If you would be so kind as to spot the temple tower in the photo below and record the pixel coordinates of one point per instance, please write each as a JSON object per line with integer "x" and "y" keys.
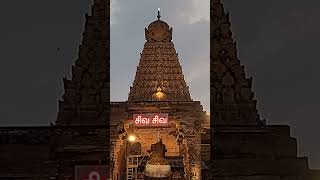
{"x": 243, "y": 146}
{"x": 159, "y": 89}
{"x": 86, "y": 95}
{"x": 84, "y": 109}
{"x": 159, "y": 74}
{"x": 232, "y": 100}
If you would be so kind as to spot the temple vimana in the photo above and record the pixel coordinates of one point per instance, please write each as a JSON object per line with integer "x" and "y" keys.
{"x": 160, "y": 132}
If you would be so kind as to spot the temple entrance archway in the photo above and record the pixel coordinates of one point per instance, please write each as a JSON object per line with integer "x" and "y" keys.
{"x": 172, "y": 137}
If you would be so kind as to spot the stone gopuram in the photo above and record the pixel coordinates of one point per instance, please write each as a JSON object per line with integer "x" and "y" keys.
{"x": 77, "y": 145}
{"x": 159, "y": 91}
{"x": 159, "y": 106}
{"x": 243, "y": 146}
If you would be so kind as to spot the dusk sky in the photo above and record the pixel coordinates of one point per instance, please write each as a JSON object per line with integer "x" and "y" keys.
{"x": 278, "y": 42}
{"x": 190, "y": 21}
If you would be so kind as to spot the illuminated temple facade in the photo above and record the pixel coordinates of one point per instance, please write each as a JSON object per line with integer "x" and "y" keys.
{"x": 160, "y": 132}
{"x": 159, "y": 106}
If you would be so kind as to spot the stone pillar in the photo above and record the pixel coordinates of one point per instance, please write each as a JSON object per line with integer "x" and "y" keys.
{"x": 198, "y": 155}
{"x": 186, "y": 158}
{"x": 195, "y": 153}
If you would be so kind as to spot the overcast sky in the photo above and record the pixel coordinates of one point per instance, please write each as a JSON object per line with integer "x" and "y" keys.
{"x": 278, "y": 43}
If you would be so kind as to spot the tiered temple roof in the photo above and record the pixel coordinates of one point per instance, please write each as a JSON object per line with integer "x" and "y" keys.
{"x": 87, "y": 93}
{"x": 159, "y": 74}
{"x": 232, "y": 100}
{"x": 243, "y": 146}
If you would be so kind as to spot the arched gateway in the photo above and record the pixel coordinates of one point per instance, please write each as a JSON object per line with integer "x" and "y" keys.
{"x": 159, "y": 106}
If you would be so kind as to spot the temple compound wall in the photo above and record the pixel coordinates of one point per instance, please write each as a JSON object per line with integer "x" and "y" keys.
{"x": 51, "y": 152}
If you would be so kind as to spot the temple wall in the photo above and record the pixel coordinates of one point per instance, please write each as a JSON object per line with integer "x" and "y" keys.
{"x": 42, "y": 152}
{"x": 25, "y": 152}
{"x": 256, "y": 152}
{"x": 148, "y": 136}
{"x": 187, "y": 115}
{"x": 254, "y": 141}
